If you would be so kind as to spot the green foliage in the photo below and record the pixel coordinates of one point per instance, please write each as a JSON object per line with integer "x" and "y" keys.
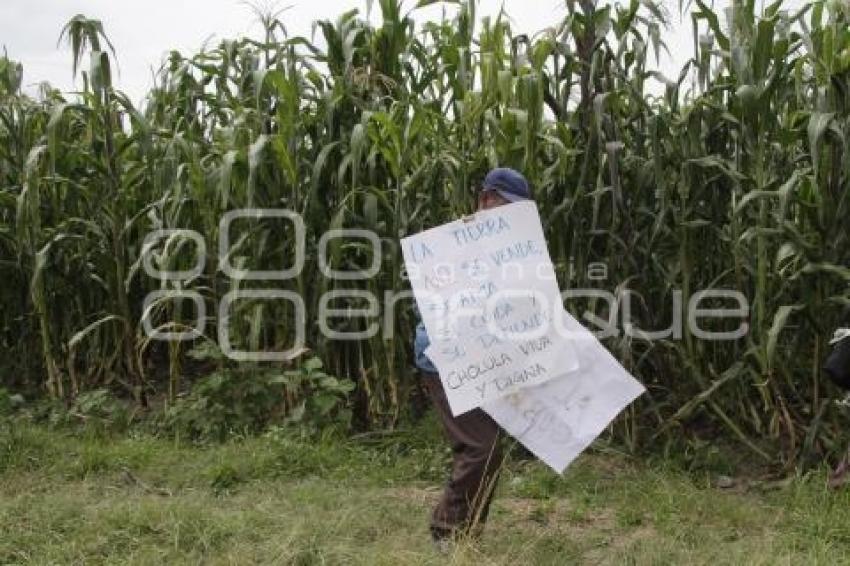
{"x": 733, "y": 174}
{"x": 279, "y": 498}
{"x": 224, "y": 478}
{"x": 11, "y": 75}
{"x": 21, "y": 447}
{"x": 248, "y": 400}
{"x": 9, "y": 402}
{"x": 323, "y": 397}
{"x": 99, "y": 404}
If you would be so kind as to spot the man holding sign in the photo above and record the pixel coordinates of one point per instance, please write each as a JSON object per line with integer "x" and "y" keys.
{"x": 497, "y": 349}
{"x": 474, "y": 435}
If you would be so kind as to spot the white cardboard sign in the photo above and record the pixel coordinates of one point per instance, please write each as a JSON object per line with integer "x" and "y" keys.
{"x": 486, "y": 290}
{"x": 502, "y": 340}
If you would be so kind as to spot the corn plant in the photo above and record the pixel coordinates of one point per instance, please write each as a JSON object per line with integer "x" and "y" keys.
{"x": 732, "y": 174}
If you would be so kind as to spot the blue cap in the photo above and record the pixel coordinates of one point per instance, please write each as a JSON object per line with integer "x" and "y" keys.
{"x": 509, "y": 183}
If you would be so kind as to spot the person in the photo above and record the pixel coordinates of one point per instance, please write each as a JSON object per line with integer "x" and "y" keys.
{"x": 837, "y": 369}
{"x": 837, "y": 364}
{"x": 474, "y": 435}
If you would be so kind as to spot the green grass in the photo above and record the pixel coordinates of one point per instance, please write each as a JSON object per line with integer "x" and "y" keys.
{"x": 72, "y": 497}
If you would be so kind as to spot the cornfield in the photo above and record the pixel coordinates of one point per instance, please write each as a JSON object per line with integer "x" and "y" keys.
{"x": 732, "y": 175}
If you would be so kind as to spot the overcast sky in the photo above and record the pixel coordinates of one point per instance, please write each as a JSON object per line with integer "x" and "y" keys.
{"x": 143, "y": 31}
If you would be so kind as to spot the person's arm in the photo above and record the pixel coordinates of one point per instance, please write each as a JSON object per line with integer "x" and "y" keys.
{"x": 420, "y": 344}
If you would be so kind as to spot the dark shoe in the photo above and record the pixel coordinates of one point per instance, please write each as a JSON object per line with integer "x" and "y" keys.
{"x": 839, "y": 476}
{"x": 443, "y": 540}
{"x": 444, "y": 546}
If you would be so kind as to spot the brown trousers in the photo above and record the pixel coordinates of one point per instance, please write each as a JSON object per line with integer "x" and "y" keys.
{"x": 476, "y": 459}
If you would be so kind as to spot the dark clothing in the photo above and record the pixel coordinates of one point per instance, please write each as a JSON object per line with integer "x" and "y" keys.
{"x": 837, "y": 365}
{"x": 420, "y": 344}
{"x": 476, "y": 459}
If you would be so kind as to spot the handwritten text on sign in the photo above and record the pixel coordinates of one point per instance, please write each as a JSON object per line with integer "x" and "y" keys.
{"x": 486, "y": 290}
{"x": 560, "y": 418}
